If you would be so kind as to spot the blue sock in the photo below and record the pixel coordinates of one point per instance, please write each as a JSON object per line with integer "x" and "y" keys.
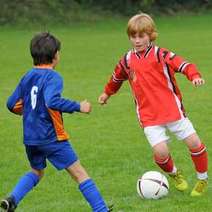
{"x": 25, "y": 184}
{"x": 93, "y": 196}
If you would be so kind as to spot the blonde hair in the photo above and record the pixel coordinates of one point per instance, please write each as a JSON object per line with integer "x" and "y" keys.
{"x": 142, "y": 23}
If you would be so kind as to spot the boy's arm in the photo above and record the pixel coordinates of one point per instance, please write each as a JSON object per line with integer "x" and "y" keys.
{"x": 178, "y": 64}
{"x": 119, "y": 75}
{"x": 53, "y": 99}
{"x": 14, "y": 102}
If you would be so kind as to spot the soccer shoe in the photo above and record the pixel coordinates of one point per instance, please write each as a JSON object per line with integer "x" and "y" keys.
{"x": 110, "y": 208}
{"x": 200, "y": 188}
{"x": 8, "y": 205}
{"x": 179, "y": 181}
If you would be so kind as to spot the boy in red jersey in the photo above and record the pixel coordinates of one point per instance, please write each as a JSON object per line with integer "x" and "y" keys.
{"x": 150, "y": 71}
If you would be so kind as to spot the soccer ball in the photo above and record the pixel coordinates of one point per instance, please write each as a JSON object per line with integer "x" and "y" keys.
{"x": 152, "y": 185}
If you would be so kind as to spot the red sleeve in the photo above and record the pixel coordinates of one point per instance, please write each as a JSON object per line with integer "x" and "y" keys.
{"x": 178, "y": 64}
{"x": 119, "y": 75}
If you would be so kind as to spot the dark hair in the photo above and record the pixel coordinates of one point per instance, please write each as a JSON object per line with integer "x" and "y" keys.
{"x": 43, "y": 48}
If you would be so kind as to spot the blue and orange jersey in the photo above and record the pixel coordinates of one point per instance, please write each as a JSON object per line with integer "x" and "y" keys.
{"x": 38, "y": 97}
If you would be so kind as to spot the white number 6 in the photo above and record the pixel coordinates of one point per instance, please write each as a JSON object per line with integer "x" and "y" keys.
{"x": 34, "y": 92}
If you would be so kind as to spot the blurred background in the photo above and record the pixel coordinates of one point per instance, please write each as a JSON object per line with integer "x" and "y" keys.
{"x": 66, "y": 11}
{"x": 109, "y": 141}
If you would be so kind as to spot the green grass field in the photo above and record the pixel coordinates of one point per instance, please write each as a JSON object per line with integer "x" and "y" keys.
{"x": 109, "y": 142}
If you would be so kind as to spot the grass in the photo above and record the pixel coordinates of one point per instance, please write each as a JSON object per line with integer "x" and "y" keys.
{"x": 109, "y": 142}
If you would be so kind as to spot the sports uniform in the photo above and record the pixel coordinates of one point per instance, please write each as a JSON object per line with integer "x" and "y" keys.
{"x": 38, "y": 98}
{"x": 157, "y": 97}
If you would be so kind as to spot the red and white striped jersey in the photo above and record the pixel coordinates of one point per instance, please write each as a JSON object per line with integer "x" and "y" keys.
{"x": 151, "y": 76}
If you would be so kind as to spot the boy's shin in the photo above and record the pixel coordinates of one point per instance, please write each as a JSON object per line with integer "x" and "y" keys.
{"x": 200, "y": 159}
{"x": 166, "y": 164}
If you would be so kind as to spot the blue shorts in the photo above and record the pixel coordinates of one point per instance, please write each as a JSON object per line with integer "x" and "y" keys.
{"x": 59, "y": 153}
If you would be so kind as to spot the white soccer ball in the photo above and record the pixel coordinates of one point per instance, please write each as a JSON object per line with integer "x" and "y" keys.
{"x": 152, "y": 185}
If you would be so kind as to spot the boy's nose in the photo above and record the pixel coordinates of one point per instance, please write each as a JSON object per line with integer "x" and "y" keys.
{"x": 137, "y": 40}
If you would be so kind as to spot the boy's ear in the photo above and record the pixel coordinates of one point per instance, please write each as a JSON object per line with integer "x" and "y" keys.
{"x": 56, "y": 56}
{"x": 56, "y": 59}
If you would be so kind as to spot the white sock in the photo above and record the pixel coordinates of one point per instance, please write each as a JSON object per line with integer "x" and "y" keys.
{"x": 202, "y": 176}
{"x": 174, "y": 171}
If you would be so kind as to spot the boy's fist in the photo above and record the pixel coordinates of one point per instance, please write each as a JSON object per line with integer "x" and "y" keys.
{"x": 103, "y": 98}
{"x": 198, "y": 81}
{"x": 85, "y": 107}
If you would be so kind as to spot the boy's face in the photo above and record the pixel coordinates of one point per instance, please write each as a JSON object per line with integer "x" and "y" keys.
{"x": 139, "y": 41}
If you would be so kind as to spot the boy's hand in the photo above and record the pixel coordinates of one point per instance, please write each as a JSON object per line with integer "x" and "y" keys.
{"x": 85, "y": 107}
{"x": 198, "y": 81}
{"x": 103, "y": 98}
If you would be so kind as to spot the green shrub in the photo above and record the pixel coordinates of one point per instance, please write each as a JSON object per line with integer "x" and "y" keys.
{"x": 64, "y": 11}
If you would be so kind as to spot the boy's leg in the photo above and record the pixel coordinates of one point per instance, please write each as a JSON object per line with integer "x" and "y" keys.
{"x": 163, "y": 158}
{"x": 64, "y": 157}
{"x": 164, "y": 161}
{"x": 199, "y": 155}
{"x": 184, "y": 130}
{"x": 29, "y": 180}
{"x": 157, "y": 138}
{"x": 25, "y": 184}
{"x": 156, "y": 135}
{"x": 87, "y": 187}
{"x": 200, "y": 160}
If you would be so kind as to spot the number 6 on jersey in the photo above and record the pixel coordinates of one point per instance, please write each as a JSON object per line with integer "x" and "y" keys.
{"x": 34, "y": 92}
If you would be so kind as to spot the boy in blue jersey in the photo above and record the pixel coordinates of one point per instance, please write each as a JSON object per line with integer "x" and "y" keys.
{"x": 38, "y": 99}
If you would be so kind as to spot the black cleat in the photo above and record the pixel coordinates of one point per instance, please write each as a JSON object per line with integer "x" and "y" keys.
{"x": 8, "y": 204}
{"x": 110, "y": 208}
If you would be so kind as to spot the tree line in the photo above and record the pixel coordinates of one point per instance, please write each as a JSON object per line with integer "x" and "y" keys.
{"x": 62, "y": 11}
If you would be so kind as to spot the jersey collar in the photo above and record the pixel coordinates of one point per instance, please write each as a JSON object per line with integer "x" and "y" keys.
{"x": 44, "y": 66}
{"x": 143, "y": 53}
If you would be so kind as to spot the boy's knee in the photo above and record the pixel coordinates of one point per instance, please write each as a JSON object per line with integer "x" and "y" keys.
{"x": 80, "y": 175}
{"x": 161, "y": 150}
{"x": 161, "y": 155}
{"x": 193, "y": 141}
{"x": 77, "y": 172}
{"x": 39, "y": 173}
